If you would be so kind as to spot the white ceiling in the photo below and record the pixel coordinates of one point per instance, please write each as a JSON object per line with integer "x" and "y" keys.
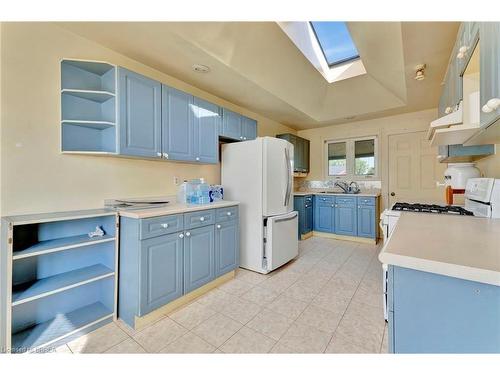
{"x": 256, "y": 65}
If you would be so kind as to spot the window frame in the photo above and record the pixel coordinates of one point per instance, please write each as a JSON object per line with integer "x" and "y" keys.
{"x": 337, "y": 62}
{"x": 351, "y": 159}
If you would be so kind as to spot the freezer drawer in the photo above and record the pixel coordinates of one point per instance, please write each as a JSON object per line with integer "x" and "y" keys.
{"x": 281, "y": 239}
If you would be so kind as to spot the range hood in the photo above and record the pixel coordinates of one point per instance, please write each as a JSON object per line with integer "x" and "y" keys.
{"x": 458, "y": 126}
{"x": 453, "y": 118}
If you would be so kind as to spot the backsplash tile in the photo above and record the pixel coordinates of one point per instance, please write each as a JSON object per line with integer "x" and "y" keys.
{"x": 311, "y": 185}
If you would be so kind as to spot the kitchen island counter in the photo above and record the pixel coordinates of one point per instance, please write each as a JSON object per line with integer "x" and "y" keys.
{"x": 458, "y": 246}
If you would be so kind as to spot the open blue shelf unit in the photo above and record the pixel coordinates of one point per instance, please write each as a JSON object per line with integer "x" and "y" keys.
{"x": 56, "y": 282}
{"x": 88, "y": 106}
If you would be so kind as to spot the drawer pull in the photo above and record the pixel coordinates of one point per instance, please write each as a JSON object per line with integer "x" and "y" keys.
{"x": 202, "y": 218}
{"x": 164, "y": 225}
{"x": 188, "y": 234}
{"x": 218, "y": 226}
{"x": 181, "y": 235}
{"x": 229, "y": 214}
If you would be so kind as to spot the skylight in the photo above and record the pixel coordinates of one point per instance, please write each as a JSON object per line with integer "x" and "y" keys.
{"x": 335, "y": 41}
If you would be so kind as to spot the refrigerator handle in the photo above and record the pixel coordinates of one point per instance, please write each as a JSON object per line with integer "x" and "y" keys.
{"x": 287, "y": 193}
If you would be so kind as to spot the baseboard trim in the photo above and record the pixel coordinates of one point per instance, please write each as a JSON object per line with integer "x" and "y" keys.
{"x": 306, "y": 236}
{"x": 142, "y": 321}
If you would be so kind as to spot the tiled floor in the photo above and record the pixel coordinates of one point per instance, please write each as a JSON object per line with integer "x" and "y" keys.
{"x": 326, "y": 301}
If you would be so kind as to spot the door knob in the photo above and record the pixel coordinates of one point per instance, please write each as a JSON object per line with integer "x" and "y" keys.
{"x": 393, "y": 194}
{"x": 181, "y": 235}
{"x": 218, "y": 226}
{"x": 164, "y": 225}
{"x": 165, "y": 155}
{"x": 202, "y": 218}
{"x": 158, "y": 154}
{"x": 197, "y": 159}
{"x": 188, "y": 234}
{"x": 229, "y": 214}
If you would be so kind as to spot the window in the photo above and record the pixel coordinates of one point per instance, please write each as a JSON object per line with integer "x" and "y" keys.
{"x": 352, "y": 158}
{"x": 335, "y": 41}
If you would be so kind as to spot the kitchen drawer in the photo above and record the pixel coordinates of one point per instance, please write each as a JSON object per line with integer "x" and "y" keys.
{"x": 226, "y": 214}
{"x": 351, "y": 201}
{"x": 157, "y": 226}
{"x": 366, "y": 201}
{"x": 325, "y": 198}
{"x": 199, "y": 219}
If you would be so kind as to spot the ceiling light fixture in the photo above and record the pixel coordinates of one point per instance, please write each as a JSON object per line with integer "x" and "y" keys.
{"x": 420, "y": 70}
{"x": 201, "y": 68}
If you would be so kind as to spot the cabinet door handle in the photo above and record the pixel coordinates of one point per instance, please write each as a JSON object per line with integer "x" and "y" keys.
{"x": 158, "y": 154}
{"x": 202, "y": 218}
{"x": 188, "y": 234}
{"x": 229, "y": 214}
{"x": 333, "y": 205}
{"x": 164, "y": 225}
{"x": 218, "y": 226}
{"x": 165, "y": 155}
{"x": 181, "y": 235}
{"x": 197, "y": 159}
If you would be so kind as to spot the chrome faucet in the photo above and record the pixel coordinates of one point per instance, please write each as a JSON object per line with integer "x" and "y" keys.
{"x": 351, "y": 188}
{"x": 343, "y": 185}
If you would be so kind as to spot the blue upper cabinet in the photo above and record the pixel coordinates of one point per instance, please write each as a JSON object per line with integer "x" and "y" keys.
{"x": 490, "y": 70}
{"x": 140, "y": 115}
{"x": 248, "y": 128}
{"x": 231, "y": 125}
{"x": 206, "y": 131}
{"x": 345, "y": 216}
{"x": 177, "y": 125}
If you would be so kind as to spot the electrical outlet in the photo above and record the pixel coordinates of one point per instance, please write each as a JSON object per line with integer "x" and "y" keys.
{"x": 176, "y": 180}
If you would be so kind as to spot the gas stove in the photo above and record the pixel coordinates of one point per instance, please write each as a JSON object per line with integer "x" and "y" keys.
{"x": 431, "y": 208}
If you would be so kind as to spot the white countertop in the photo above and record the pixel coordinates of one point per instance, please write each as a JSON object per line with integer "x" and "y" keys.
{"x": 361, "y": 194}
{"x": 173, "y": 208}
{"x": 465, "y": 247}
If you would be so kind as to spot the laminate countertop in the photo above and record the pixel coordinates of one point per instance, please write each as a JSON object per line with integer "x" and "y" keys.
{"x": 361, "y": 194}
{"x": 173, "y": 208}
{"x": 465, "y": 247}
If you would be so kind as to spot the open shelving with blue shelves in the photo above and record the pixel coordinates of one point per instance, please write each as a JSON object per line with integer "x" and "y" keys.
{"x": 57, "y": 282}
{"x": 88, "y": 106}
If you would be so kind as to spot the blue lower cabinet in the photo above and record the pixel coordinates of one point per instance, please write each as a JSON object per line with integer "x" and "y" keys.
{"x": 324, "y": 218}
{"x": 346, "y": 216}
{"x": 161, "y": 271}
{"x": 440, "y": 314}
{"x": 199, "y": 257}
{"x": 227, "y": 247}
{"x": 366, "y": 221}
{"x": 304, "y": 206}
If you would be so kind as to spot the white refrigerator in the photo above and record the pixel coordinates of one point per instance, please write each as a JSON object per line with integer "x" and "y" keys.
{"x": 259, "y": 174}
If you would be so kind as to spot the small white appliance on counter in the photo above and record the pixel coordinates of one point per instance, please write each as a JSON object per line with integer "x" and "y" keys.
{"x": 482, "y": 199}
{"x": 259, "y": 174}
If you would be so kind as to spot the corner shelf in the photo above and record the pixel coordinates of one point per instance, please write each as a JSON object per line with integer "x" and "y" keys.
{"x": 93, "y": 95}
{"x": 58, "y": 283}
{"x": 60, "y": 327}
{"x": 88, "y": 106}
{"x": 60, "y": 244}
{"x": 89, "y": 124}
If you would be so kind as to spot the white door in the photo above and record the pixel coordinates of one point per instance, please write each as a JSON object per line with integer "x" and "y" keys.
{"x": 414, "y": 170}
{"x": 277, "y": 182}
{"x": 282, "y": 244}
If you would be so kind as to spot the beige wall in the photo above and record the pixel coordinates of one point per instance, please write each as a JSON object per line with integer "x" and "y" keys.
{"x": 382, "y": 128}
{"x": 490, "y": 166}
{"x": 36, "y": 176}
